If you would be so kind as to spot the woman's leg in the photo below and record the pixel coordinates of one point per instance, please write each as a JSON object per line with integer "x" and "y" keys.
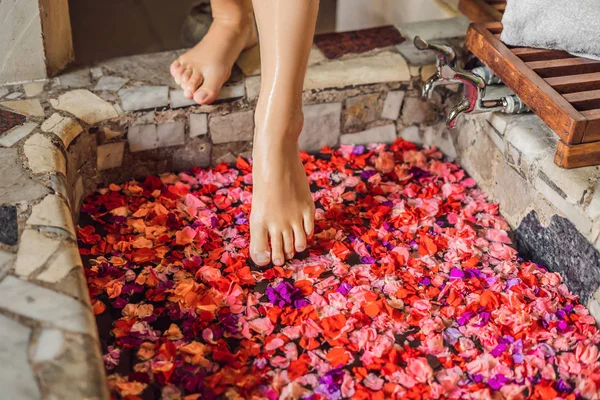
{"x": 205, "y": 68}
{"x": 282, "y": 206}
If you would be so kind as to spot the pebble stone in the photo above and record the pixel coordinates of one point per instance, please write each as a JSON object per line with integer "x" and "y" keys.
{"x": 43, "y": 156}
{"x": 9, "y": 234}
{"x": 85, "y": 105}
{"x": 29, "y": 107}
{"x": 53, "y": 212}
{"x": 110, "y": 155}
{"x": 144, "y": 97}
{"x": 35, "y": 249}
{"x": 379, "y": 134}
{"x": 45, "y": 305}
{"x": 65, "y": 128}
{"x": 113, "y": 83}
{"x": 62, "y": 263}
{"x": 49, "y": 345}
{"x": 198, "y": 124}
{"x": 17, "y": 133}
{"x": 16, "y": 377}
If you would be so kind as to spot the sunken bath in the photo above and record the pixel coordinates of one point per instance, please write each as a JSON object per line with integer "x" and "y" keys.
{"x": 122, "y": 119}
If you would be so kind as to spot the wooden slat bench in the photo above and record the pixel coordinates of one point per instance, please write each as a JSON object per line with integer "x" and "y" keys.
{"x": 562, "y": 89}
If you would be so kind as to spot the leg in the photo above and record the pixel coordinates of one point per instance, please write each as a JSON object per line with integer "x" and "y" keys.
{"x": 282, "y": 206}
{"x": 205, "y": 68}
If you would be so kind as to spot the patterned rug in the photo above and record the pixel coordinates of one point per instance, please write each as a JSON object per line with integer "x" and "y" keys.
{"x": 410, "y": 289}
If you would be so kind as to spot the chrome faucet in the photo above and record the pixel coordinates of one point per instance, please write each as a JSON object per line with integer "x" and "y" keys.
{"x": 474, "y": 84}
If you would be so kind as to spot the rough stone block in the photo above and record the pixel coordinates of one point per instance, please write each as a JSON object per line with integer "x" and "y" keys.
{"x": 113, "y": 83}
{"x": 232, "y": 92}
{"x": 593, "y": 209}
{"x": 234, "y": 127}
{"x": 321, "y": 126}
{"x": 144, "y": 97}
{"x": 196, "y": 154}
{"x": 562, "y": 248}
{"x": 412, "y": 134}
{"x": 45, "y": 305}
{"x": 392, "y": 105}
{"x": 361, "y": 110}
{"x": 198, "y": 124}
{"x": 43, "y": 156}
{"x": 571, "y": 184}
{"x": 379, "y": 134}
{"x": 576, "y": 216}
{"x": 417, "y": 111}
{"x": 65, "y": 128}
{"x": 15, "y": 184}
{"x": 171, "y": 134}
{"x": 29, "y": 107}
{"x": 49, "y": 345}
{"x": 440, "y": 137}
{"x": 512, "y": 192}
{"x": 178, "y": 100}
{"x": 75, "y": 79}
{"x": 142, "y": 137}
{"x": 9, "y": 234}
{"x": 52, "y": 212}
{"x": 110, "y": 155}
{"x": 379, "y": 68}
{"x": 16, "y": 377}
{"x": 33, "y": 88}
{"x": 85, "y": 105}
{"x": 11, "y": 137}
{"x": 64, "y": 262}
{"x": 34, "y": 250}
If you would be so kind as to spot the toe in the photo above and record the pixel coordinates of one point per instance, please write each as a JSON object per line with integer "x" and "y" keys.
{"x": 176, "y": 71}
{"x": 193, "y": 83}
{"x": 276, "y": 247}
{"x": 299, "y": 238}
{"x": 288, "y": 243}
{"x": 185, "y": 77}
{"x": 309, "y": 222}
{"x": 259, "y": 245}
{"x": 208, "y": 92}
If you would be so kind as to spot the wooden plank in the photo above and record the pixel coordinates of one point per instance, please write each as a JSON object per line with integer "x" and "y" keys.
{"x": 539, "y": 96}
{"x": 479, "y": 11}
{"x": 592, "y": 131}
{"x": 575, "y": 83}
{"x": 567, "y": 66}
{"x": 579, "y": 155}
{"x": 529, "y": 54}
{"x": 583, "y": 101}
{"x": 56, "y": 33}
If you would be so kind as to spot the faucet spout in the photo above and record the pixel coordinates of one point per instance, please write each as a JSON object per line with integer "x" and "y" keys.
{"x": 473, "y": 82}
{"x": 431, "y": 83}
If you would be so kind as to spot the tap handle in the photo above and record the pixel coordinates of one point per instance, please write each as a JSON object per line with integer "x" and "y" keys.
{"x": 446, "y": 54}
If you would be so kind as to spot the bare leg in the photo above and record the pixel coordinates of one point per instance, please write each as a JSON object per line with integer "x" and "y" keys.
{"x": 205, "y": 68}
{"x": 282, "y": 206}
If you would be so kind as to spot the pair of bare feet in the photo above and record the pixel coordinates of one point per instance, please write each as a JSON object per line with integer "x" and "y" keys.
{"x": 282, "y": 216}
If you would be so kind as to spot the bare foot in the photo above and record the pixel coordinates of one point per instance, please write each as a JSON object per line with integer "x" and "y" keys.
{"x": 282, "y": 207}
{"x": 202, "y": 71}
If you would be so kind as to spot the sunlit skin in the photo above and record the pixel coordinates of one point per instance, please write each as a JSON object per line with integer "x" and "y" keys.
{"x": 282, "y": 216}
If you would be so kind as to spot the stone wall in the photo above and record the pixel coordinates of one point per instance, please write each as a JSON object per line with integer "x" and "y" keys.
{"x": 555, "y": 212}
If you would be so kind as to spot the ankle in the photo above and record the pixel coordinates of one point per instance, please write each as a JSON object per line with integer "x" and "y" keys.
{"x": 239, "y": 20}
{"x": 278, "y": 124}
